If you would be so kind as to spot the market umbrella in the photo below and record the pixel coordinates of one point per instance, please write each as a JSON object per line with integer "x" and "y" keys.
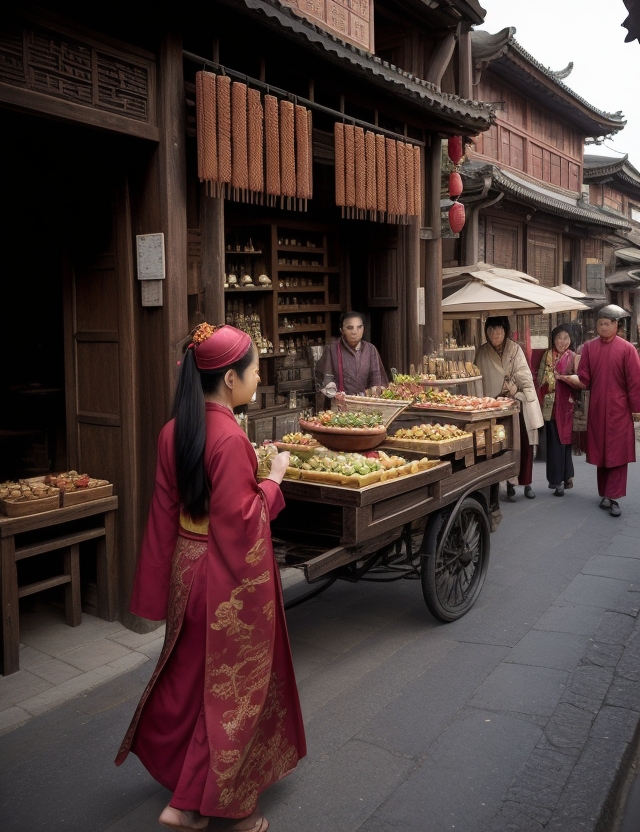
{"x": 511, "y": 284}
{"x": 569, "y": 291}
{"x": 475, "y": 297}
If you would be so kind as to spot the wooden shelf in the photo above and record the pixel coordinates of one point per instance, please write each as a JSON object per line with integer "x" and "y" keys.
{"x": 319, "y": 289}
{"x": 250, "y": 289}
{"x": 325, "y": 307}
{"x": 302, "y": 328}
{"x": 316, "y": 269}
{"x": 244, "y": 253}
{"x": 303, "y": 249}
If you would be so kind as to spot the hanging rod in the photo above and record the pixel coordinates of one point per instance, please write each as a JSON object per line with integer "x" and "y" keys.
{"x": 312, "y": 105}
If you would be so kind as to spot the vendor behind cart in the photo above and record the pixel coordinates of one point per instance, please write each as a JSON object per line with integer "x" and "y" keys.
{"x": 350, "y": 365}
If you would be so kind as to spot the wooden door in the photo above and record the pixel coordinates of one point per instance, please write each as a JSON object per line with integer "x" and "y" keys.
{"x": 99, "y": 365}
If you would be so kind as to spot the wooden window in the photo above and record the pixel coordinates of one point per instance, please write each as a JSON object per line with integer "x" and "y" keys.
{"x": 542, "y": 256}
{"x": 502, "y": 246}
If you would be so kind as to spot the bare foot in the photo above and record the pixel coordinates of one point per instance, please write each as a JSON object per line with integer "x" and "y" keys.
{"x": 183, "y": 820}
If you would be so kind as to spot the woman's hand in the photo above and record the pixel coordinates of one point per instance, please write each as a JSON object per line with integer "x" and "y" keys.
{"x": 572, "y": 381}
{"x": 279, "y": 465}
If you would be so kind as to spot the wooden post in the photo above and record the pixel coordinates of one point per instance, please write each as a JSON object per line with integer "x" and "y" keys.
{"x": 433, "y": 330}
{"x": 411, "y": 239}
{"x": 213, "y": 263}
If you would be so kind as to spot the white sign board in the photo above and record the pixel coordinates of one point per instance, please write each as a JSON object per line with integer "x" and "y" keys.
{"x": 421, "y": 309}
{"x": 150, "y": 256}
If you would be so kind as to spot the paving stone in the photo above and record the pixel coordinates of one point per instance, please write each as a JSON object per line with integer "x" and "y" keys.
{"x": 11, "y": 718}
{"x": 134, "y": 640}
{"x": 603, "y": 654}
{"x": 55, "y": 671}
{"x": 568, "y": 729}
{"x": 624, "y": 693}
{"x": 94, "y": 654}
{"x": 559, "y": 650}
{"x": 605, "y": 593}
{"x": 617, "y": 724}
{"x": 518, "y": 688}
{"x": 462, "y": 780}
{"x": 417, "y": 715}
{"x": 18, "y": 686}
{"x": 579, "y": 620}
{"x": 588, "y": 682}
{"x": 615, "y": 628}
{"x": 611, "y": 566}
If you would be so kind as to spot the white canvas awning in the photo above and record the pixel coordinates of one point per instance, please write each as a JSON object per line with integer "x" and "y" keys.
{"x": 569, "y": 291}
{"x": 514, "y": 290}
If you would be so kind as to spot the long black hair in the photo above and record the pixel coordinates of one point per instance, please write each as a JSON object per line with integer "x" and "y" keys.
{"x": 190, "y": 428}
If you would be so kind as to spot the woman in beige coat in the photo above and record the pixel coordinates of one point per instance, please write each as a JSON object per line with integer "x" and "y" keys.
{"x": 505, "y": 372}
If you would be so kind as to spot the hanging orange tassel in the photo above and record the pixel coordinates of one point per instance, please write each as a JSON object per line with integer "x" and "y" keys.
{"x": 239, "y": 140}
{"x": 392, "y": 180}
{"x": 381, "y": 175}
{"x": 287, "y": 150}
{"x": 349, "y": 169}
{"x": 338, "y": 140}
{"x": 370, "y": 163}
{"x": 417, "y": 177}
{"x": 256, "y": 142}
{"x": 402, "y": 178}
{"x": 272, "y": 142}
{"x": 360, "y": 170}
{"x": 206, "y": 127}
{"x": 303, "y": 190}
{"x": 223, "y": 84}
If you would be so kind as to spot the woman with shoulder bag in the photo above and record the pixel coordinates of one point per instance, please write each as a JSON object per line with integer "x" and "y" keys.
{"x": 505, "y": 372}
{"x": 557, "y": 402}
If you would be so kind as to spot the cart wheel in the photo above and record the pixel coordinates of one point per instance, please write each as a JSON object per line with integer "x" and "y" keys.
{"x": 453, "y": 570}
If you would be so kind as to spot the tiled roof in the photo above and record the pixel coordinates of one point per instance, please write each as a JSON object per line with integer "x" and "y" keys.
{"x": 540, "y": 197}
{"x": 500, "y": 50}
{"x": 465, "y": 114}
{"x": 606, "y": 167}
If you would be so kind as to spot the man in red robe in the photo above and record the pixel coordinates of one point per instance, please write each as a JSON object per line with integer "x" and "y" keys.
{"x": 610, "y": 369}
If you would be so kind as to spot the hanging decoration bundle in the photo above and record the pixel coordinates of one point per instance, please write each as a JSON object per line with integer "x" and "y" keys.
{"x": 455, "y": 151}
{"x": 252, "y": 148}
{"x": 376, "y": 178}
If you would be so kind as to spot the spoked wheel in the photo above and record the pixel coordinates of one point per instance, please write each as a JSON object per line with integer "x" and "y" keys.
{"x": 453, "y": 570}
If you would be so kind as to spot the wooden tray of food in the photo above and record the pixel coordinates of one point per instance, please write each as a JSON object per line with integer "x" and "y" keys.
{"x": 430, "y": 447}
{"x": 85, "y": 495}
{"x": 361, "y": 480}
{"x": 27, "y": 496}
{"x": 21, "y": 506}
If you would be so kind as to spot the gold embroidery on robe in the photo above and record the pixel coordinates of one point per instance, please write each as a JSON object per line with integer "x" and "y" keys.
{"x": 257, "y": 552}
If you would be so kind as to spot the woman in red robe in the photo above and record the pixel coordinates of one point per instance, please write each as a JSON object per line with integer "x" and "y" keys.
{"x": 610, "y": 369}
{"x": 220, "y": 719}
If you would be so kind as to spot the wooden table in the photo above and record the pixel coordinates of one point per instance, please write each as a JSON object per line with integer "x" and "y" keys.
{"x": 61, "y": 529}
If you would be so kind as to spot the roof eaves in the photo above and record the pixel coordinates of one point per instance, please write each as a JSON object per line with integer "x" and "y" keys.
{"x": 473, "y": 115}
{"x": 488, "y": 48}
{"x": 549, "y": 201}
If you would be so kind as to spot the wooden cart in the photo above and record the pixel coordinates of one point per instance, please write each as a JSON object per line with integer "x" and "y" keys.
{"x": 433, "y": 525}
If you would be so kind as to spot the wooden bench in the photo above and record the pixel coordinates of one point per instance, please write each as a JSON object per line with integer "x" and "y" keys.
{"x": 16, "y": 546}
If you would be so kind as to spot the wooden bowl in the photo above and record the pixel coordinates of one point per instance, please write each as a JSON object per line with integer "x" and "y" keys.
{"x": 346, "y": 439}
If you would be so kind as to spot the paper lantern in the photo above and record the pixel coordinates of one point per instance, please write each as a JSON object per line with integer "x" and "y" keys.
{"x": 454, "y": 149}
{"x": 456, "y": 217}
{"x": 455, "y": 184}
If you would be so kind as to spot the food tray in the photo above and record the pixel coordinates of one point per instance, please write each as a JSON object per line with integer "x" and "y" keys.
{"x": 431, "y": 447}
{"x": 361, "y": 481}
{"x": 85, "y": 495}
{"x": 346, "y": 439}
{"x": 449, "y": 407}
{"x": 16, "y": 507}
{"x": 389, "y": 408}
{"x": 442, "y": 382}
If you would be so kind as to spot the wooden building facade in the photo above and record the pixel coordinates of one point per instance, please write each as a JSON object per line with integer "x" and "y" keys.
{"x": 100, "y": 149}
{"x": 614, "y": 186}
{"x": 526, "y": 208}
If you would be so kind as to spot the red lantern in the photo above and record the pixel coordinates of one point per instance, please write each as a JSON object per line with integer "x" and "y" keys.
{"x": 455, "y": 184}
{"x": 456, "y": 217}
{"x": 454, "y": 149}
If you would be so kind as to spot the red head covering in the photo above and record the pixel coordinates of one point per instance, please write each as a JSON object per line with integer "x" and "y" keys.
{"x": 217, "y": 347}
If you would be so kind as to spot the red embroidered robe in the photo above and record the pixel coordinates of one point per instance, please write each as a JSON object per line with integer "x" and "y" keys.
{"x": 220, "y": 719}
{"x": 611, "y": 371}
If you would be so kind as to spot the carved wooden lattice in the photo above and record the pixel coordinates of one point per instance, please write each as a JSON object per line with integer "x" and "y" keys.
{"x": 63, "y": 67}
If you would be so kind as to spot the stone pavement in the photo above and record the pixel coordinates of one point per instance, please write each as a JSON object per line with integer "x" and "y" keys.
{"x": 523, "y": 715}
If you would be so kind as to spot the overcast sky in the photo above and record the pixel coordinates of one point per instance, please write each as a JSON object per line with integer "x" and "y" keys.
{"x": 589, "y": 33}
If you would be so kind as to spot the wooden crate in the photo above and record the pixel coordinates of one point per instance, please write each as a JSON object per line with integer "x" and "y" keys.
{"x": 430, "y": 447}
{"x": 16, "y": 507}
{"x": 86, "y": 495}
